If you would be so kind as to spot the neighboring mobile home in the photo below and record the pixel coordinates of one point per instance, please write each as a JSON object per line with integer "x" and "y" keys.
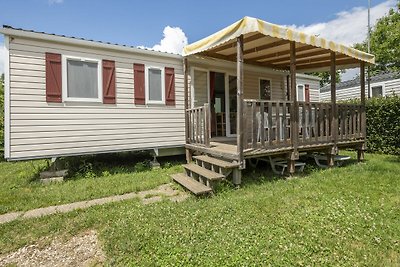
{"x": 68, "y": 96}
{"x": 382, "y": 84}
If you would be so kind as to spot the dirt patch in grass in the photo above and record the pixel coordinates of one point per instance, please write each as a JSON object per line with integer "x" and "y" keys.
{"x": 80, "y": 250}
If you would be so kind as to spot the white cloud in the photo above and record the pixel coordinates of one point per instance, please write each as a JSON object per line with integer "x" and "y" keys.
{"x": 173, "y": 41}
{"x": 51, "y": 2}
{"x": 2, "y": 57}
{"x": 348, "y": 27}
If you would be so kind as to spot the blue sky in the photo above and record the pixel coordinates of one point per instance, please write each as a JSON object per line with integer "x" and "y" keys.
{"x": 143, "y": 22}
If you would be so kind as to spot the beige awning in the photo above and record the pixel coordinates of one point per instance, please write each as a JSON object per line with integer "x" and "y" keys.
{"x": 267, "y": 44}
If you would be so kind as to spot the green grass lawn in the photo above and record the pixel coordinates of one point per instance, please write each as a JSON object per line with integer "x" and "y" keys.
{"x": 93, "y": 177}
{"x": 348, "y": 216}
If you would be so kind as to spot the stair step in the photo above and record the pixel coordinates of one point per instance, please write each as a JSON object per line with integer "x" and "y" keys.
{"x": 192, "y": 185}
{"x": 218, "y": 162}
{"x": 210, "y": 175}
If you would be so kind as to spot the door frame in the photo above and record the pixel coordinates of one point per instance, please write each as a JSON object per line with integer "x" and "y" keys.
{"x": 226, "y": 85}
{"x": 227, "y": 104}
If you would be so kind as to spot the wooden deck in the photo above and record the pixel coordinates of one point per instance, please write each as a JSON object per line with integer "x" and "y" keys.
{"x": 268, "y": 128}
{"x": 226, "y": 148}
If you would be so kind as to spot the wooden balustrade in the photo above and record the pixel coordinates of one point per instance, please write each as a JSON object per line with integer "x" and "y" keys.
{"x": 266, "y": 124}
{"x": 199, "y": 123}
{"x": 350, "y": 125}
{"x": 315, "y": 122}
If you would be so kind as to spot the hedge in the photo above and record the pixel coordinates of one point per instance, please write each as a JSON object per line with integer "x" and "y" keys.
{"x": 383, "y": 124}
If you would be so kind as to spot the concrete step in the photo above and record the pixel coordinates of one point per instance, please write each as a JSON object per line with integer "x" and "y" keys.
{"x": 192, "y": 185}
{"x": 217, "y": 162}
{"x": 209, "y": 175}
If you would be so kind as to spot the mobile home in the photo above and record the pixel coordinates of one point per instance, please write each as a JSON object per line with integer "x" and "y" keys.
{"x": 235, "y": 95}
{"x": 382, "y": 84}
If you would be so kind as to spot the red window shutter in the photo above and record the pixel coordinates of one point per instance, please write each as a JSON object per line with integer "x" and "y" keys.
{"x": 53, "y": 78}
{"x": 138, "y": 78}
{"x": 108, "y": 82}
{"x": 169, "y": 86}
{"x": 307, "y": 92}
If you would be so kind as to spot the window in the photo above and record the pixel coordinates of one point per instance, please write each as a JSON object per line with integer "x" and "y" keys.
{"x": 265, "y": 89}
{"x": 81, "y": 79}
{"x": 300, "y": 92}
{"x": 155, "y": 87}
{"x": 377, "y": 91}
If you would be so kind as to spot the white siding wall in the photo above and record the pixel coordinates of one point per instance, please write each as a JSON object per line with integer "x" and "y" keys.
{"x": 314, "y": 87}
{"x": 251, "y": 82}
{"x": 41, "y": 129}
{"x": 392, "y": 86}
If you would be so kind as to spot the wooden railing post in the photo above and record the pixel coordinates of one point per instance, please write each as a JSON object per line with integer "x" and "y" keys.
{"x": 207, "y": 123}
{"x": 239, "y": 128}
{"x": 186, "y": 106}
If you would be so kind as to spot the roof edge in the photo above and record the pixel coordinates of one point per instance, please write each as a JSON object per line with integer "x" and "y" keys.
{"x": 10, "y": 31}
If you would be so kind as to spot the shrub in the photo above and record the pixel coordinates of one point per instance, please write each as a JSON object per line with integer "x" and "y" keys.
{"x": 383, "y": 124}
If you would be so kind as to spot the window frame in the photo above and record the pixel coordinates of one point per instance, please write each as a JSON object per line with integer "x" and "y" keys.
{"x": 378, "y": 85}
{"x": 64, "y": 77}
{"x": 147, "y": 89}
{"x": 304, "y": 92}
{"x": 259, "y": 87}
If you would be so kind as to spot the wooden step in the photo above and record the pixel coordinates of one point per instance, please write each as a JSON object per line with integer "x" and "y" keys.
{"x": 210, "y": 175}
{"x": 192, "y": 185}
{"x": 218, "y": 162}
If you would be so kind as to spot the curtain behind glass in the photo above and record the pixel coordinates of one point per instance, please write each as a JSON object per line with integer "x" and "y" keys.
{"x": 155, "y": 92}
{"x": 82, "y": 79}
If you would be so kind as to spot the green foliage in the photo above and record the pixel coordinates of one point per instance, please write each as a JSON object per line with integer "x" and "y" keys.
{"x": 346, "y": 216}
{"x": 89, "y": 177}
{"x": 383, "y": 124}
{"x": 385, "y": 39}
{"x": 326, "y": 76}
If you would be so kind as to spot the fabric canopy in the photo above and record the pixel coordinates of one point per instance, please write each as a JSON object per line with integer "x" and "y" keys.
{"x": 268, "y": 44}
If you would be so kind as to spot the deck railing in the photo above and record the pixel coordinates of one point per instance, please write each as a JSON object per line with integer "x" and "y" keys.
{"x": 350, "y": 126}
{"x": 199, "y": 123}
{"x": 315, "y": 122}
{"x": 267, "y": 124}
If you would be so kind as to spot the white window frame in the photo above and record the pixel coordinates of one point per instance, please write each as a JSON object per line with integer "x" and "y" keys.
{"x": 304, "y": 92}
{"x": 65, "y": 97}
{"x": 146, "y": 79}
{"x": 377, "y": 85}
{"x": 259, "y": 88}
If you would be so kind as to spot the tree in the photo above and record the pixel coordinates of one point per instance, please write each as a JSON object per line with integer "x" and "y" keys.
{"x": 385, "y": 40}
{"x": 326, "y": 77}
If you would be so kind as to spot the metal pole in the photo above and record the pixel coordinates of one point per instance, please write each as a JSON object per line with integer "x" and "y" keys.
{"x": 369, "y": 47}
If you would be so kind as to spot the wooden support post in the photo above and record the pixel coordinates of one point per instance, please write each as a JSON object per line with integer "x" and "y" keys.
{"x": 291, "y": 161}
{"x": 360, "y": 154}
{"x": 334, "y": 116}
{"x": 294, "y": 116}
{"x": 288, "y": 87}
{"x": 239, "y": 115}
{"x": 334, "y": 122}
{"x": 237, "y": 177}
{"x": 330, "y": 156}
{"x": 186, "y": 106}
